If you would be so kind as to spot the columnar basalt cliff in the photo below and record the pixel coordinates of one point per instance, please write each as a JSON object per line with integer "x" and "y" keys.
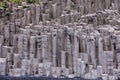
{"x": 61, "y": 38}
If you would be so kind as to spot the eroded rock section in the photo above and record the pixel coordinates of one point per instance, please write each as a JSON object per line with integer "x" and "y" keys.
{"x": 61, "y": 38}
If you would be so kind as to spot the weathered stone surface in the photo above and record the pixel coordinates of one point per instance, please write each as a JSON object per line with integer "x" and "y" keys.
{"x": 61, "y": 38}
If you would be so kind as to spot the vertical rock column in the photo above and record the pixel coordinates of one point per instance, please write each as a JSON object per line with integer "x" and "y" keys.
{"x": 28, "y": 17}
{"x": 16, "y": 60}
{"x": 104, "y": 64}
{"x": 49, "y": 46}
{"x": 54, "y": 46}
{"x": 63, "y": 59}
{"x": 100, "y": 50}
{"x": 2, "y": 66}
{"x": 59, "y": 47}
{"x": 33, "y": 13}
{"x": 7, "y": 36}
{"x": 20, "y": 45}
{"x": 33, "y": 45}
{"x": 44, "y": 51}
{"x": 15, "y": 44}
{"x": 109, "y": 61}
{"x": 107, "y": 3}
{"x": 25, "y": 47}
{"x": 116, "y": 4}
{"x": 69, "y": 51}
{"x": 39, "y": 48}
{"x": 75, "y": 52}
{"x": 37, "y": 14}
{"x": 24, "y": 66}
{"x": 92, "y": 50}
{"x": 12, "y": 32}
{"x": 17, "y": 25}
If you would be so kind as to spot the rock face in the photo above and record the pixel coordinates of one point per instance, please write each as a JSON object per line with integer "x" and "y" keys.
{"x": 62, "y": 38}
